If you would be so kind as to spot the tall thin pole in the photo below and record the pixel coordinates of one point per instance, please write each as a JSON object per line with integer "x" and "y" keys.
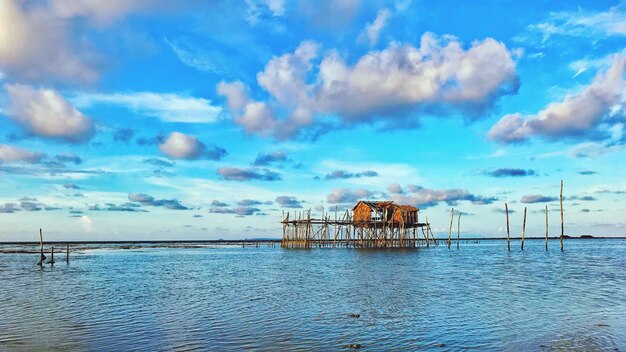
{"x": 67, "y": 252}
{"x": 546, "y": 227}
{"x": 41, "y": 256}
{"x": 508, "y": 234}
{"x": 523, "y": 228}
{"x": 458, "y": 234}
{"x": 562, "y": 227}
{"x": 450, "y": 231}
{"x": 427, "y": 227}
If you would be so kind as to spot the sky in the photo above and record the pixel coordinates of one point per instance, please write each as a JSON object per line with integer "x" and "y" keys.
{"x": 159, "y": 119}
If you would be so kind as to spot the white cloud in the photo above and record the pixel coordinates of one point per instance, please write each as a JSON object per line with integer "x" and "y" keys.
{"x": 576, "y": 116}
{"x": 258, "y": 9}
{"x": 99, "y": 11}
{"x": 372, "y": 30}
{"x": 45, "y": 113}
{"x": 439, "y": 77}
{"x": 10, "y": 153}
{"x": 583, "y": 65}
{"x": 183, "y": 146}
{"x": 168, "y": 107}
{"x": 34, "y": 45}
{"x": 581, "y": 23}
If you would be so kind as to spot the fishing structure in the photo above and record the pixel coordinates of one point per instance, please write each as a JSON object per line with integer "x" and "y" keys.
{"x": 370, "y": 224}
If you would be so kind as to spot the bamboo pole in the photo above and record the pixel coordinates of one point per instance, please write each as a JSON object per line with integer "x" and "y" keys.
{"x": 523, "y": 228}
{"x": 42, "y": 257}
{"x": 427, "y": 239}
{"x": 508, "y": 233}
{"x": 450, "y": 231}
{"x": 546, "y": 227}
{"x": 458, "y": 234}
{"x": 562, "y": 226}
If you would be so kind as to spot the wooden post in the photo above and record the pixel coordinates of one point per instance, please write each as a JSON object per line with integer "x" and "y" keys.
{"x": 546, "y": 227}
{"x": 450, "y": 231}
{"x": 523, "y": 228}
{"x": 508, "y": 234}
{"x": 562, "y": 227}
{"x": 427, "y": 239}
{"x": 67, "y": 254}
{"x": 42, "y": 257}
{"x": 52, "y": 256}
{"x": 458, "y": 234}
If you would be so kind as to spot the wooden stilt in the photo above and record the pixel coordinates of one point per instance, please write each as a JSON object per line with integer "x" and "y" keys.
{"x": 546, "y": 227}
{"x": 523, "y": 228}
{"x": 508, "y": 234}
{"x": 42, "y": 257}
{"x": 458, "y": 234}
{"x": 450, "y": 231}
{"x": 427, "y": 227}
{"x": 562, "y": 226}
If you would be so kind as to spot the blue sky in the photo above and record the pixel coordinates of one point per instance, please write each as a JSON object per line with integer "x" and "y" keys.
{"x": 207, "y": 119}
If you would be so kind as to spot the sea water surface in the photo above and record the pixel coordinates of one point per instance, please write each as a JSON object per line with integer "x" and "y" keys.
{"x": 227, "y": 298}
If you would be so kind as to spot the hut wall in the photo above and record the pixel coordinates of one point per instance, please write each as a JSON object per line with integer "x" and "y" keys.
{"x": 362, "y": 213}
{"x": 397, "y": 216}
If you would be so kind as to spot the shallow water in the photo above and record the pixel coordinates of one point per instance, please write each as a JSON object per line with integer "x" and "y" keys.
{"x": 480, "y": 297}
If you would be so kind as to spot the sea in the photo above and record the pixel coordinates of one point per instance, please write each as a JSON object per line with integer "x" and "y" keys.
{"x": 209, "y": 297}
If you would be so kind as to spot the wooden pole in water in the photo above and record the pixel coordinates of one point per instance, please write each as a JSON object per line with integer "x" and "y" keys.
{"x": 523, "y": 228}
{"x": 450, "y": 231}
{"x": 52, "y": 256}
{"x": 427, "y": 239}
{"x": 458, "y": 234}
{"x": 508, "y": 234}
{"x": 41, "y": 256}
{"x": 562, "y": 227}
{"x": 546, "y": 227}
{"x": 67, "y": 254}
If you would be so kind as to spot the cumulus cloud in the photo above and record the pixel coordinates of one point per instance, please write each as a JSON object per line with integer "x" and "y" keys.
{"x": 381, "y": 88}
{"x": 167, "y": 107}
{"x": 183, "y": 146}
{"x": 425, "y": 197}
{"x": 35, "y": 44}
{"x": 239, "y": 174}
{"x": 343, "y": 174}
{"x": 270, "y": 158}
{"x": 45, "y": 113}
{"x": 145, "y": 199}
{"x": 577, "y": 116}
{"x": 538, "y": 198}
{"x": 251, "y": 202}
{"x": 217, "y": 203}
{"x": 46, "y": 40}
{"x": 10, "y": 154}
{"x": 510, "y": 172}
{"x": 31, "y": 205}
{"x": 8, "y": 208}
{"x": 240, "y": 211}
{"x": 288, "y": 202}
{"x": 346, "y": 195}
